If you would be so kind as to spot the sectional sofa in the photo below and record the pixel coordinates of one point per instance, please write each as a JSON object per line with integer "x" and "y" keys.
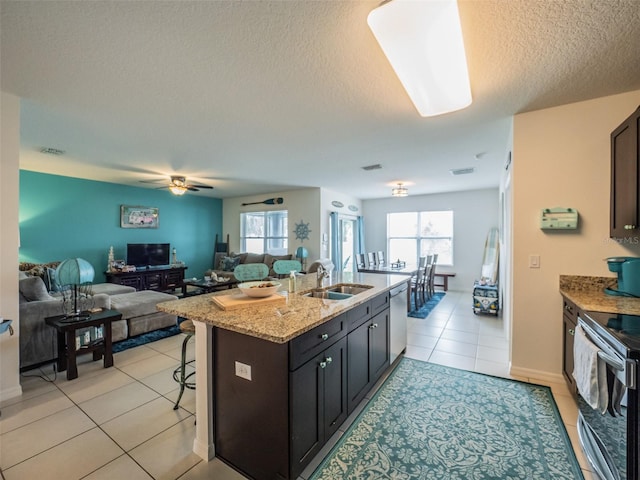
{"x": 38, "y": 341}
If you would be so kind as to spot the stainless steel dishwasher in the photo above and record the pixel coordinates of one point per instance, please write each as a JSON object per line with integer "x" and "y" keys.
{"x": 398, "y": 321}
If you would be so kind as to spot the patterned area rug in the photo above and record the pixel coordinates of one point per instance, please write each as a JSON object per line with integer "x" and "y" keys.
{"x": 147, "y": 337}
{"x": 426, "y": 308}
{"x": 433, "y": 422}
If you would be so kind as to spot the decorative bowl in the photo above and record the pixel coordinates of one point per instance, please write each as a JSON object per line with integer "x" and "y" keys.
{"x": 262, "y": 288}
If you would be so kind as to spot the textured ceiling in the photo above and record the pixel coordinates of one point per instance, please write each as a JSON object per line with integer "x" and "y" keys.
{"x": 262, "y": 96}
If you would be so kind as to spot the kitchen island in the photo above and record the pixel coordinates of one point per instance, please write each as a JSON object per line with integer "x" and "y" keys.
{"x": 276, "y": 381}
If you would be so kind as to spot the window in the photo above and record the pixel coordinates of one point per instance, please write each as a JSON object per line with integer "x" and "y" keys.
{"x": 412, "y": 235}
{"x": 264, "y": 232}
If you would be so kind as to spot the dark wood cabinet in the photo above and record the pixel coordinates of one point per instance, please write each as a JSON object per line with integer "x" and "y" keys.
{"x": 368, "y": 356}
{"x": 569, "y": 322}
{"x": 318, "y": 403}
{"x": 625, "y": 170}
{"x": 159, "y": 279}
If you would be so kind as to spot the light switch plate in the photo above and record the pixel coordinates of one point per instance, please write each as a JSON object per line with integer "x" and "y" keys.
{"x": 243, "y": 371}
{"x": 534, "y": 261}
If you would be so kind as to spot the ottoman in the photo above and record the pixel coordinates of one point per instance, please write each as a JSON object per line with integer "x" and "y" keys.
{"x": 139, "y": 314}
{"x": 111, "y": 288}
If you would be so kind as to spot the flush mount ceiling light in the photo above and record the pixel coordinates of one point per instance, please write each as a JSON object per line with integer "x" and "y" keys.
{"x": 399, "y": 191}
{"x": 423, "y": 42}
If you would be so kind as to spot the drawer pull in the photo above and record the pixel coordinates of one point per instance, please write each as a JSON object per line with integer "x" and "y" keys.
{"x": 629, "y": 227}
{"x": 324, "y": 336}
{"x": 567, "y": 307}
{"x": 326, "y": 362}
{"x": 373, "y": 325}
{"x": 572, "y": 332}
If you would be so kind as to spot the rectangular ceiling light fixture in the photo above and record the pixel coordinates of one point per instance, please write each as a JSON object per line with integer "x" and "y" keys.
{"x": 423, "y": 42}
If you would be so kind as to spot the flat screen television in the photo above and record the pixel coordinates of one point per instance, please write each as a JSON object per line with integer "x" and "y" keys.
{"x": 148, "y": 254}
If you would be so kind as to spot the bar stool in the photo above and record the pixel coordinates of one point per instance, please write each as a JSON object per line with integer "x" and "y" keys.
{"x": 180, "y": 374}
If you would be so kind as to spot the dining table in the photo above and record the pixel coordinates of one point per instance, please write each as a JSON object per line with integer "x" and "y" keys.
{"x": 401, "y": 269}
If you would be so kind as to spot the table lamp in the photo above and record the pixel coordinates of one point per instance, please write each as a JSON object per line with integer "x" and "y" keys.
{"x": 78, "y": 274}
{"x": 301, "y": 255}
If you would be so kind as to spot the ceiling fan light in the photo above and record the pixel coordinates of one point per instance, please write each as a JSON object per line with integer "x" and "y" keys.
{"x": 423, "y": 43}
{"x": 399, "y": 191}
{"x": 178, "y": 189}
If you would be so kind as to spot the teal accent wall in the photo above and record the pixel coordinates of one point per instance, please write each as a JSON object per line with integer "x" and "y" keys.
{"x": 64, "y": 217}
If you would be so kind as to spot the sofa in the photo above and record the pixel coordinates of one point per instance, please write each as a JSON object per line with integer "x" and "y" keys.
{"x": 224, "y": 263}
{"x": 38, "y": 341}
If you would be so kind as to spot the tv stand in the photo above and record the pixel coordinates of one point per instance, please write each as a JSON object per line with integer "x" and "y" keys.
{"x": 160, "y": 279}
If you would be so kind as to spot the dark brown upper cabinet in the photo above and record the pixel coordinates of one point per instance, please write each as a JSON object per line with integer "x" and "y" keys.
{"x": 625, "y": 171}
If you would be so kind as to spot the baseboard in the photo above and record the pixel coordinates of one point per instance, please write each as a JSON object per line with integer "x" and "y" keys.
{"x": 11, "y": 392}
{"x": 537, "y": 375}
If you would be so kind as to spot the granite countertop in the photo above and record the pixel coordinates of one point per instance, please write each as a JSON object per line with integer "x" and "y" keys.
{"x": 588, "y": 294}
{"x": 282, "y": 321}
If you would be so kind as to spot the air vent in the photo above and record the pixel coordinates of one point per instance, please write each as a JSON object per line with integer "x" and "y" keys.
{"x": 52, "y": 151}
{"x": 462, "y": 171}
{"x": 377, "y": 166}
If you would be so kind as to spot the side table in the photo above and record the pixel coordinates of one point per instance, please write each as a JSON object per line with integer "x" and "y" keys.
{"x": 68, "y": 350}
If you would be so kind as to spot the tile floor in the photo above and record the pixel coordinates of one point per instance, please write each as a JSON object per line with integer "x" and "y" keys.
{"x": 119, "y": 422}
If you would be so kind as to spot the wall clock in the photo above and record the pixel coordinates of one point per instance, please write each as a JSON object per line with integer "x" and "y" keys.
{"x": 302, "y": 231}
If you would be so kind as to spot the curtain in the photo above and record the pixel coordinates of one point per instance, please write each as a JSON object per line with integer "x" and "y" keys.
{"x": 334, "y": 225}
{"x": 360, "y": 234}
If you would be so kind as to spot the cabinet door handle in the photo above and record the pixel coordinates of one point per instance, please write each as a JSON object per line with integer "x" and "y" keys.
{"x": 572, "y": 331}
{"x": 323, "y": 364}
{"x": 328, "y": 360}
{"x": 373, "y": 325}
{"x": 629, "y": 227}
{"x": 567, "y": 307}
{"x": 324, "y": 336}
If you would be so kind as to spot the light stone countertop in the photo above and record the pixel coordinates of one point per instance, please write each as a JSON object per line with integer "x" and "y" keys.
{"x": 588, "y": 294}
{"x": 281, "y": 322}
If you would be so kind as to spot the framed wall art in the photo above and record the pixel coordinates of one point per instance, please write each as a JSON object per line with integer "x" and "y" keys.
{"x": 139, "y": 217}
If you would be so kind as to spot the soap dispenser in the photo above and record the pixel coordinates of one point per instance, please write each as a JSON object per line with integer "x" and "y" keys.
{"x": 292, "y": 282}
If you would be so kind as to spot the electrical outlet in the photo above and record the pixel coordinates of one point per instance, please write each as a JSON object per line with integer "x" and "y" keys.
{"x": 243, "y": 371}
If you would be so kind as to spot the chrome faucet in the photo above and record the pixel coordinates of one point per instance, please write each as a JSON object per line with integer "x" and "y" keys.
{"x": 321, "y": 274}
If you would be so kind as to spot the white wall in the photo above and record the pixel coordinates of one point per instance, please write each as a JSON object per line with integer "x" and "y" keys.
{"x": 561, "y": 158}
{"x": 302, "y": 206}
{"x": 474, "y": 214}
{"x": 9, "y": 194}
{"x": 327, "y": 197}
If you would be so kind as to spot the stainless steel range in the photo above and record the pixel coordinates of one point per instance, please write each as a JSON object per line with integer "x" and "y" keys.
{"x": 610, "y": 440}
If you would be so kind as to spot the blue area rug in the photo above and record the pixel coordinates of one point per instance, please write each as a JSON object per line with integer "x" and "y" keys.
{"x": 147, "y": 337}
{"x": 426, "y": 308}
{"x": 428, "y": 421}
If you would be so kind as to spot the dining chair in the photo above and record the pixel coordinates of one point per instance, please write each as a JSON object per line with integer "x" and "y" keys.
{"x": 417, "y": 283}
{"x": 251, "y": 271}
{"x": 381, "y": 258}
{"x": 432, "y": 274}
{"x": 361, "y": 261}
{"x": 372, "y": 258}
{"x": 426, "y": 274}
{"x": 284, "y": 267}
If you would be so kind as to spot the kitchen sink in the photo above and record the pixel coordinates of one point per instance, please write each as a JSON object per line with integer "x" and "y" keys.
{"x": 348, "y": 288}
{"x": 340, "y": 291}
{"x": 327, "y": 295}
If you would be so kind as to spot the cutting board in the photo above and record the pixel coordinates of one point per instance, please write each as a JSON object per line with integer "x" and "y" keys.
{"x": 240, "y": 300}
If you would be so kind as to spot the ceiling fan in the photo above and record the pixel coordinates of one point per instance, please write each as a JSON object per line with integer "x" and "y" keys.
{"x": 179, "y": 186}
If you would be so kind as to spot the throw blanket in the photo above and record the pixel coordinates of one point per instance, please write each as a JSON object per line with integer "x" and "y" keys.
{"x": 590, "y": 372}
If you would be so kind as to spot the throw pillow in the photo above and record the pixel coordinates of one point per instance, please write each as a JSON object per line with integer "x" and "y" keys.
{"x": 34, "y": 289}
{"x": 50, "y": 279}
{"x": 230, "y": 263}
